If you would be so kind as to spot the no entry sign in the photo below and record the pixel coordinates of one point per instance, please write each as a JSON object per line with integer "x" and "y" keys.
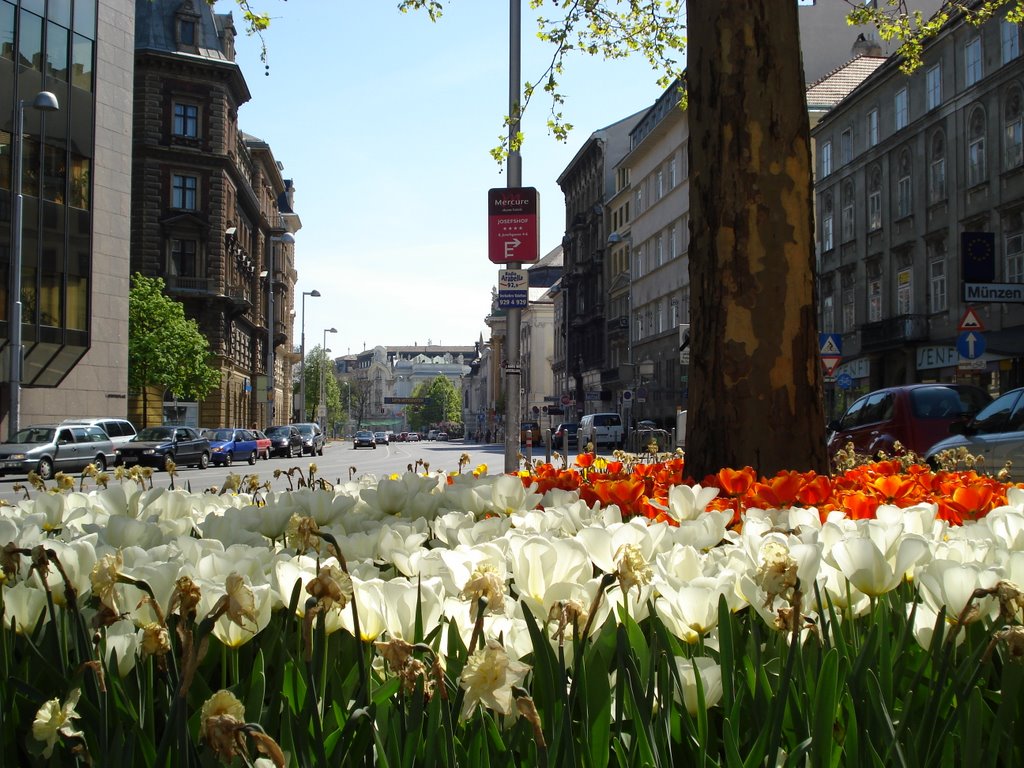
{"x": 513, "y": 225}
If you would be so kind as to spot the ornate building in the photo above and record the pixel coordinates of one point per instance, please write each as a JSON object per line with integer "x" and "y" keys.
{"x": 212, "y": 214}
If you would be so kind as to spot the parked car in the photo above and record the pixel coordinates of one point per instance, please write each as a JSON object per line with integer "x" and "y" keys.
{"x": 432, "y": 434}
{"x": 529, "y": 429}
{"x": 118, "y": 430}
{"x": 154, "y": 446}
{"x": 364, "y": 439}
{"x": 312, "y": 438}
{"x": 262, "y": 444}
{"x": 50, "y": 448}
{"x": 227, "y": 445}
{"x": 568, "y": 429}
{"x": 381, "y": 438}
{"x": 996, "y": 434}
{"x": 601, "y": 429}
{"x": 442, "y": 436}
{"x": 412, "y": 437}
{"x": 915, "y": 415}
{"x": 285, "y": 440}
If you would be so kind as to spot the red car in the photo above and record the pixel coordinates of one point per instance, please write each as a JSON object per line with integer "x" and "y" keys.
{"x": 263, "y": 444}
{"x": 915, "y": 415}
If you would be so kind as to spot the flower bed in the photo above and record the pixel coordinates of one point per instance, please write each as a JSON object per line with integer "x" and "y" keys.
{"x": 608, "y": 613}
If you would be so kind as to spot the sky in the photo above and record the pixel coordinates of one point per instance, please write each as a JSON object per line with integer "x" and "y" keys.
{"x": 384, "y": 122}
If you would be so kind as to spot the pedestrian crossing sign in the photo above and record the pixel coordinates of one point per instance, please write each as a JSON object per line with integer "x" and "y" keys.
{"x": 831, "y": 344}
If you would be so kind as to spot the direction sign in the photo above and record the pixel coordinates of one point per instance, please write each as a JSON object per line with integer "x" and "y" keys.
{"x": 970, "y": 345}
{"x": 513, "y": 225}
{"x": 970, "y": 321}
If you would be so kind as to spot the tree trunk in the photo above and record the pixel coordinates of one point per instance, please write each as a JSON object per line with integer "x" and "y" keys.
{"x": 756, "y": 380}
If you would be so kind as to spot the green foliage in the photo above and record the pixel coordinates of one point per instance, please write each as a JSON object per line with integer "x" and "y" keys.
{"x": 443, "y": 404}
{"x": 166, "y": 349}
{"x": 318, "y": 369}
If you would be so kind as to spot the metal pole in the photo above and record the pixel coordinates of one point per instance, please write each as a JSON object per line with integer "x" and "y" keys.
{"x": 302, "y": 379}
{"x": 14, "y": 290}
{"x": 513, "y": 374}
{"x": 321, "y": 406}
{"x": 270, "y": 333}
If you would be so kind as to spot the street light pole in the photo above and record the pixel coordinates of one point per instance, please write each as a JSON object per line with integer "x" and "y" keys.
{"x": 44, "y": 102}
{"x": 302, "y": 379}
{"x": 323, "y": 383}
{"x": 289, "y": 239}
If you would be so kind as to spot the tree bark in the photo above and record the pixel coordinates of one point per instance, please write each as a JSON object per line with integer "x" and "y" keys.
{"x": 756, "y": 378}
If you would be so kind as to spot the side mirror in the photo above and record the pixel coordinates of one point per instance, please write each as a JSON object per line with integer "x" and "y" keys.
{"x": 959, "y": 428}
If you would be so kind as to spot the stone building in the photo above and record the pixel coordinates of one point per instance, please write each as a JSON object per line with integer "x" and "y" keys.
{"x": 75, "y": 185}
{"x": 212, "y": 214}
{"x": 919, "y": 178}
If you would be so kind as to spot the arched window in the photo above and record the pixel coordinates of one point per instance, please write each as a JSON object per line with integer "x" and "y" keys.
{"x": 937, "y": 168}
{"x": 904, "y": 200}
{"x": 1013, "y": 139}
{"x": 874, "y": 198}
{"x": 976, "y": 166}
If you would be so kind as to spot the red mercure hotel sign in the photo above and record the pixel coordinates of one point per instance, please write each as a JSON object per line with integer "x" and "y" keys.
{"x": 513, "y": 225}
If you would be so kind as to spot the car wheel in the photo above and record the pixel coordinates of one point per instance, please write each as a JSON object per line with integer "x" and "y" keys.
{"x": 375, "y": 446}
{"x": 321, "y": 451}
{"x": 204, "y": 461}
{"x": 228, "y": 459}
{"x": 252, "y": 458}
{"x": 45, "y": 468}
{"x": 100, "y": 463}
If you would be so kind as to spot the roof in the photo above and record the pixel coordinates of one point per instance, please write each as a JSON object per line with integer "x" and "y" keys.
{"x": 828, "y": 91}
{"x": 155, "y": 22}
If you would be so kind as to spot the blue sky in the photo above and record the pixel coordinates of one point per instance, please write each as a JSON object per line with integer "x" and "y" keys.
{"x": 384, "y": 121}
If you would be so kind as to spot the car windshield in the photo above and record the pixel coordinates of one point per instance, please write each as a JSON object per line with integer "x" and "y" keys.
{"x": 150, "y": 434}
{"x": 33, "y": 435}
{"x": 306, "y": 429}
{"x": 222, "y": 435}
{"x": 275, "y": 431}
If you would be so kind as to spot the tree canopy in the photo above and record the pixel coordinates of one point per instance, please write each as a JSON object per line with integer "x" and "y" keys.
{"x": 165, "y": 349}
{"x": 442, "y": 404}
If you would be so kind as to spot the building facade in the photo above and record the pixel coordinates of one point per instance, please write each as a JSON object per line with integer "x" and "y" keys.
{"x": 920, "y": 177}
{"x": 75, "y": 185}
{"x": 212, "y": 214}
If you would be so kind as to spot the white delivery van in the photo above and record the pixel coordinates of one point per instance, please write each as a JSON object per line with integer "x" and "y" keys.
{"x": 600, "y": 429}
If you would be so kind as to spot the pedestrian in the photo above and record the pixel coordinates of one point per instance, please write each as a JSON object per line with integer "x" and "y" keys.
{"x": 488, "y": 435}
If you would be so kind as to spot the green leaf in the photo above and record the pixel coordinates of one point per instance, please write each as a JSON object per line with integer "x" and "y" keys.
{"x": 823, "y": 712}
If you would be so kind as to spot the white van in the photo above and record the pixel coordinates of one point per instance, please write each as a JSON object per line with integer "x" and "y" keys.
{"x": 600, "y": 429}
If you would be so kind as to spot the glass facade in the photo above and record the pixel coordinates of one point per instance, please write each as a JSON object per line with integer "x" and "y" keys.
{"x": 49, "y": 46}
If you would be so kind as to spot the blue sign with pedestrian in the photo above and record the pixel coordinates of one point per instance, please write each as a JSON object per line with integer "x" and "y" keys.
{"x": 970, "y": 345}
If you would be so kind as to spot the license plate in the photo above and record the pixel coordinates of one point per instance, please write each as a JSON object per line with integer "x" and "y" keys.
{"x": 12, "y": 464}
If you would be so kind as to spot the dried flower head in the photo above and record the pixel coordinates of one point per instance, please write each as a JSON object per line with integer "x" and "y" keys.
{"x": 1014, "y": 638}
{"x": 486, "y": 583}
{"x": 185, "y": 598}
{"x": 568, "y": 613}
{"x": 331, "y": 587}
{"x": 241, "y": 604}
{"x": 633, "y": 568}
{"x": 301, "y": 534}
{"x": 104, "y": 579}
{"x": 777, "y": 572}
{"x": 10, "y": 561}
{"x": 221, "y": 723}
{"x": 155, "y": 640}
{"x": 1011, "y": 600}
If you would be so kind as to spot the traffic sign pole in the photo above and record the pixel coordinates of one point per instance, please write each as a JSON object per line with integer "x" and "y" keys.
{"x": 513, "y": 375}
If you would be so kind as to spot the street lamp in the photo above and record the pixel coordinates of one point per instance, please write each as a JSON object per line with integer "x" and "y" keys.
{"x": 288, "y": 239}
{"x": 44, "y": 102}
{"x": 323, "y": 382}
{"x": 302, "y": 380}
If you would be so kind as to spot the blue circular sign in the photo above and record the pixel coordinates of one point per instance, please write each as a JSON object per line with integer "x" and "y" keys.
{"x": 844, "y": 381}
{"x": 970, "y": 344}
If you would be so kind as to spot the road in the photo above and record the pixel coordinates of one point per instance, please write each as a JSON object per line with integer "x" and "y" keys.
{"x": 339, "y": 462}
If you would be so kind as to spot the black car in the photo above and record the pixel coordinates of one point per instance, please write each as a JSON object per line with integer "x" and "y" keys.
{"x": 154, "y": 446}
{"x": 285, "y": 440}
{"x": 364, "y": 439}
{"x": 312, "y": 438}
{"x": 568, "y": 428}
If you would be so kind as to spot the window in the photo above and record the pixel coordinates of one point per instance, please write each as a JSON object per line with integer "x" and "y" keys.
{"x": 672, "y": 180}
{"x": 904, "y": 292}
{"x": 901, "y": 109}
{"x": 904, "y": 199}
{"x": 1013, "y": 140}
{"x": 673, "y": 242}
{"x": 937, "y": 168}
{"x": 849, "y": 305}
{"x": 659, "y": 251}
{"x": 847, "y": 213}
{"x": 183, "y": 192}
{"x": 874, "y": 299}
{"x": 660, "y": 184}
{"x": 976, "y": 171}
{"x": 972, "y": 62}
{"x": 828, "y": 314}
{"x": 186, "y": 120}
{"x": 1013, "y": 247}
{"x": 638, "y": 262}
{"x": 872, "y": 127}
{"x": 875, "y": 199}
{"x": 673, "y": 313}
{"x": 184, "y": 262}
{"x": 933, "y": 86}
{"x": 1010, "y": 40}
{"x": 937, "y": 296}
{"x": 826, "y": 159}
{"x": 826, "y": 223}
{"x": 845, "y": 146}
{"x": 638, "y": 199}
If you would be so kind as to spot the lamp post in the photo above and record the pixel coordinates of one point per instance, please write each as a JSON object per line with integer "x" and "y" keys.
{"x": 44, "y": 102}
{"x": 302, "y": 380}
{"x": 323, "y": 382}
{"x": 288, "y": 239}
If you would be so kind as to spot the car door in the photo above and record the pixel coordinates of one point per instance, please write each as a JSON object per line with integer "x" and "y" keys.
{"x": 185, "y": 447}
{"x": 66, "y": 453}
{"x": 1000, "y": 431}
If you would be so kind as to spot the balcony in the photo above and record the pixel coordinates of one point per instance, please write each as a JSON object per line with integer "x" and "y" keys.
{"x": 893, "y": 332}
{"x": 187, "y": 284}
{"x": 280, "y": 333}
{"x": 238, "y": 296}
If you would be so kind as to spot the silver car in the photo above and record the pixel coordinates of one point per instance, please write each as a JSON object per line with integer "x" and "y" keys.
{"x": 50, "y": 448}
{"x": 996, "y": 434}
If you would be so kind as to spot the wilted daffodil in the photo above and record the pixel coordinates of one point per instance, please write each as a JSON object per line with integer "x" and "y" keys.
{"x": 54, "y": 720}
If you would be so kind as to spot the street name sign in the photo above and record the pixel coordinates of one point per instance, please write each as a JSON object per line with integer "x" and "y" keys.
{"x": 513, "y": 225}
{"x": 404, "y": 400}
{"x": 1007, "y": 293}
